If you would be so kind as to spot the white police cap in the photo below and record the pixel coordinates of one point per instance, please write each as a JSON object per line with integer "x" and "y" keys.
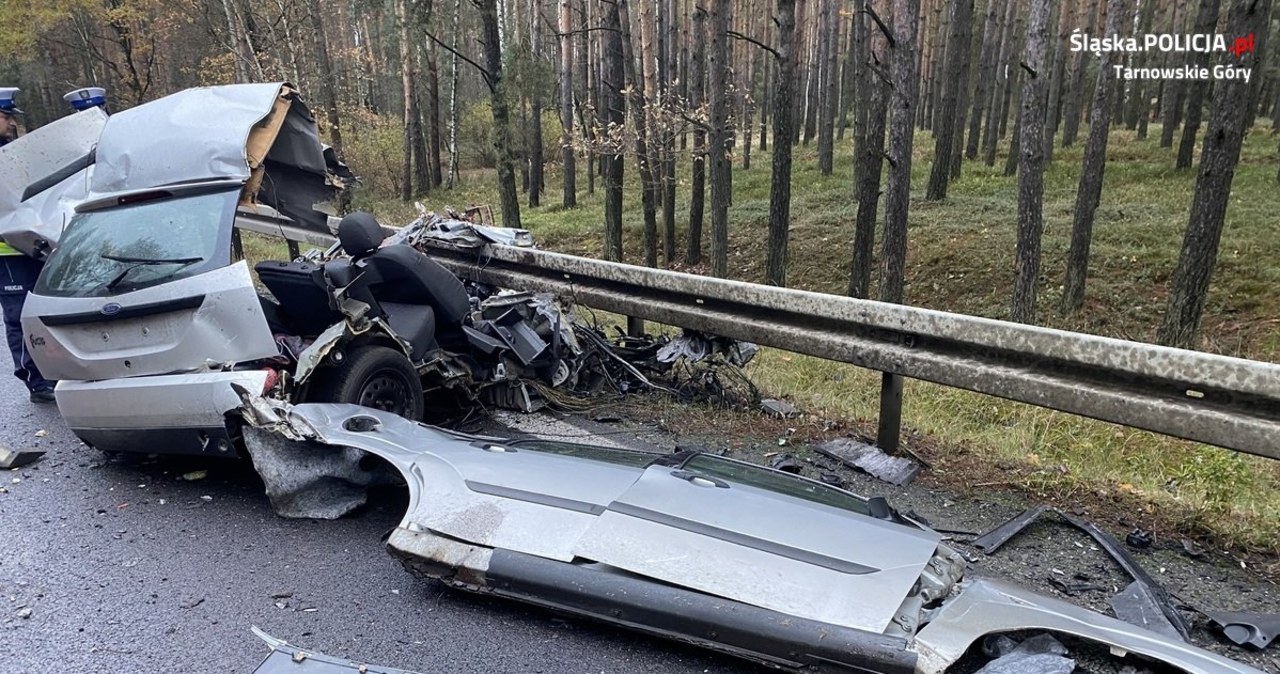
{"x": 7, "y": 104}
{"x": 88, "y": 97}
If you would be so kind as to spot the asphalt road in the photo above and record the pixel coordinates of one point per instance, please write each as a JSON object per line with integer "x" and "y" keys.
{"x": 123, "y": 566}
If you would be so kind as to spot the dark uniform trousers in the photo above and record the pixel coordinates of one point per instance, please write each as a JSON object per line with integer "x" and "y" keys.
{"x": 17, "y": 276}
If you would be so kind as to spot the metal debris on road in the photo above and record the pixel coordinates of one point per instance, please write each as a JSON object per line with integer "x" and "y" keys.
{"x": 287, "y": 659}
{"x": 779, "y": 408}
{"x": 1144, "y": 603}
{"x": 1256, "y": 630}
{"x": 10, "y": 458}
{"x": 870, "y": 459}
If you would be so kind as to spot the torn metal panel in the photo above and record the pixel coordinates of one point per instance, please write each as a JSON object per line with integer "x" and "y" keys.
{"x": 698, "y": 548}
{"x": 870, "y": 459}
{"x": 994, "y": 539}
{"x": 309, "y": 481}
{"x": 1041, "y": 654}
{"x": 11, "y": 458}
{"x": 43, "y": 176}
{"x": 1256, "y": 630}
{"x": 287, "y": 659}
{"x": 1139, "y": 605}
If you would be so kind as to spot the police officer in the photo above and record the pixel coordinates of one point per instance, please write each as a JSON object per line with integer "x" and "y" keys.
{"x": 87, "y": 97}
{"x": 17, "y": 276}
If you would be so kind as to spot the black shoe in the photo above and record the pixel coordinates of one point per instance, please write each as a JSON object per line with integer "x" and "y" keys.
{"x": 44, "y": 395}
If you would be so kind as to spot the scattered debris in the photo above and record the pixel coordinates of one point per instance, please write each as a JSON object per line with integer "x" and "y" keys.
{"x": 831, "y": 479}
{"x": 1193, "y": 551}
{"x": 42, "y": 433}
{"x": 206, "y": 497}
{"x": 785, "y": 463}
{"x": 779, "y": 408}
{"x": 287, "y": 659}
{"x": 1144, "y": 603}
{"x": 192, "y": 603}
{"x": 1079, "y": 584}
{"x": 1256, "y": 630}
{"x": 1139, "y": 538}
{"x": 16, "y": 459}
{"x": 871, "y": 460}
{"x": 282, "y": 595}
{"x": 1041, "y": 654}
{"x": 195, "y": 475}
{"x": 24, "y": 613}
{"x": 1138, "y": 604}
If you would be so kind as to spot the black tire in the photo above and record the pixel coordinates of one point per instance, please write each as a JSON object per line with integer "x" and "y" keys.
{"x": 377, "y": 377}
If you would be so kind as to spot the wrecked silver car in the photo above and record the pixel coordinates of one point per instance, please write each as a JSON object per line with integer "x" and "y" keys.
{"x": 147, "y": 314}
{"x": 691, "y": 546}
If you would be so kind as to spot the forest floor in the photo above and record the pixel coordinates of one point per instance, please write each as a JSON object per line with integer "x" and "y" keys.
{"x": 960, "y": 259}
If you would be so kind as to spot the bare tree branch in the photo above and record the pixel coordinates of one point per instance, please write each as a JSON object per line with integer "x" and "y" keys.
{"x": 488, "y": 77}
{"x": 739, "y": 36}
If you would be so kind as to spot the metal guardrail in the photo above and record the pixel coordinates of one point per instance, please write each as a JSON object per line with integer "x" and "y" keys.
{"x": 1219, "y": 400}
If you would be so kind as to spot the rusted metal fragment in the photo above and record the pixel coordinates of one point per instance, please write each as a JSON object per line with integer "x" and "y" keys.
{"x": 870, "y": 459}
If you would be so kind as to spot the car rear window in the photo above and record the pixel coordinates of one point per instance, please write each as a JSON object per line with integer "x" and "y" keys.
{"x": 194, "y": 231}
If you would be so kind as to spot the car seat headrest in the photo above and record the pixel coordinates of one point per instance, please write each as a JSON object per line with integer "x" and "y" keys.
{"x": 359, "y": 233}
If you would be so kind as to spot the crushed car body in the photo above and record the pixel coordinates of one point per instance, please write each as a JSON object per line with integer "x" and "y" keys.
{"x": 696, "y": 547}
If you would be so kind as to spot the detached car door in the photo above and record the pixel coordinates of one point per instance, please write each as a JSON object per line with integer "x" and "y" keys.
{"x": 143, "y": 285}
{"x": 764, "y": 538}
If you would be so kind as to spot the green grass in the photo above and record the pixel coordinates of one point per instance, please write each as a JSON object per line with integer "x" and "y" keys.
{"x": 960, "y": 259}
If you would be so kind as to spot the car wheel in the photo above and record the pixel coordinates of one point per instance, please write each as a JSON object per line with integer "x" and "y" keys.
{"x": 377, "y": 377}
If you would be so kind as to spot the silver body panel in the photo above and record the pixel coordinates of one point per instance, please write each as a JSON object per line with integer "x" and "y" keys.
{"x": 535, "y": 508}
{"x": 138, "y": 150}
{"x": 991, "y": 606}
{"x": 223, "y": 322}
{"x": 58, "y": 155}
{"x": 196, "y": 400}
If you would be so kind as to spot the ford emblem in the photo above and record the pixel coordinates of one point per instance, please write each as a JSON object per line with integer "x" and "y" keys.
{"x": 110, "y": 309}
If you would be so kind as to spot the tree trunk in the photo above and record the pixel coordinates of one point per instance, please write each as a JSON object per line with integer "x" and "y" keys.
{"x": 327, "y": 97}
{"x": 1171, "y": 95}
{"x": 717, "y": 61}
{"x": 831, "y": 87}
{"x": 1003, "y": 83}
{"x": 667, "y": 67}
{"x": 567, "y": 156}
{"x": 697, "y": 85}
{"x": 1095, "y": 163}
{"x": 1139, "y": 101}
{"x": 1075, "y": 102}
{"x": 955, "y": 76}
{"x": 869, "y": 154}
{"x": 589, "y": 117}
{"x": 902, "y": 102}
{"x": 537, "y": 162}
{"x": 1031, "y": 165}
{"x": 1054, "y": 65}
{"x": 433, "y": 115}
{"x": 453, "y": 98}
{"x": 1206, "y": 21}
{"x": 612, "y": 84}
{"x": 780, "y": 182}
{"x": 414, "y": 164}
{"x": 637, "y": 76}
{"x": 986, "y": 64}
{"x": 502, "y": 140}
{"x": 1223, "y": 137}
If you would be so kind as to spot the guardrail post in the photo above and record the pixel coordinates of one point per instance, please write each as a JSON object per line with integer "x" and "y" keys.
{"x": 237, "y": 245}
{"x": 294, "y": 251}
{"x": 890, "y": 430}
{"x": 635, "y": 326}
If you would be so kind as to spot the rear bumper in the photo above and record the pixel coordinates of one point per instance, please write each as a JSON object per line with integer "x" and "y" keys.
{"x": 169, "y": 414}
